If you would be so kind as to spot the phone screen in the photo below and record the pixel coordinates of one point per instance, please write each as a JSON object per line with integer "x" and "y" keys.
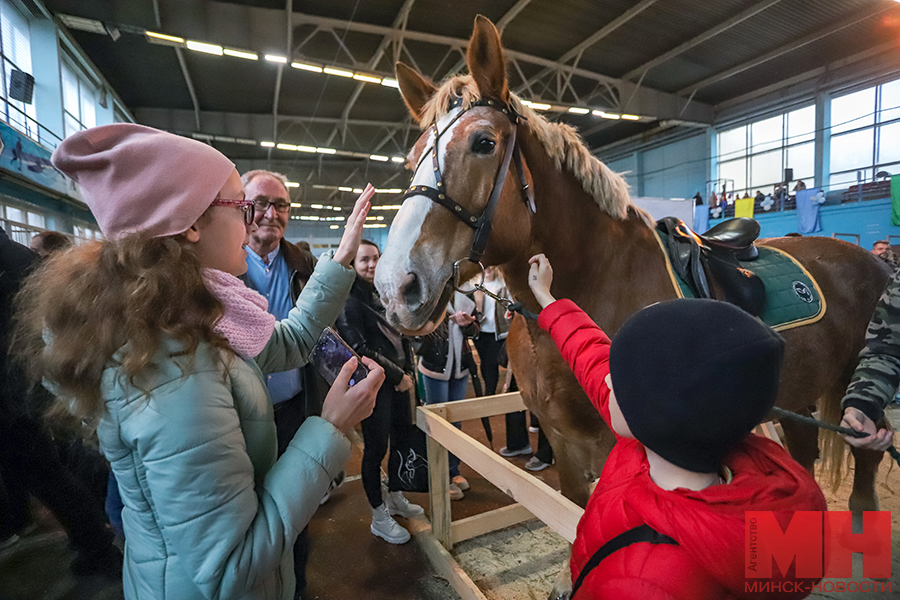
{"x": 331, "y": 353}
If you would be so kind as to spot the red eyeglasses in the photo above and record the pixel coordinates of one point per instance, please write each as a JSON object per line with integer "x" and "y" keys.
{"x": 245, "y": 205}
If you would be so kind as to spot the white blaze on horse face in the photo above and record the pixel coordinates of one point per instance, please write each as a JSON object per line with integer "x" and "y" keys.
{"x": 401, "y": 254}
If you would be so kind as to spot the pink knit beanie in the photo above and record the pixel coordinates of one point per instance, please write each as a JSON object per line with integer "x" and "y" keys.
{"x": 140, "y": 179}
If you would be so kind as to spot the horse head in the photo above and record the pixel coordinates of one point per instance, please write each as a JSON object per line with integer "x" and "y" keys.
{"x": 470, "y": 122}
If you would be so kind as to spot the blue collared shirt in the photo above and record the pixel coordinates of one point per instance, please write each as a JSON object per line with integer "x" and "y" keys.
{"x": 274, "y": 282}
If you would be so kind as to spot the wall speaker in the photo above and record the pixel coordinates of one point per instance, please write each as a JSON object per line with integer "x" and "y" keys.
{"x": 21, "y": 86}
{"x": 788, "y": 175}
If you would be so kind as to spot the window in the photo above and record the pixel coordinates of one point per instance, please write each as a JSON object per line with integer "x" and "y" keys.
{"x": 865, "y": 134}
{"x": 79, "y": 101}
{"x": 754, "y": 156}
{"x": 15, "y": 48}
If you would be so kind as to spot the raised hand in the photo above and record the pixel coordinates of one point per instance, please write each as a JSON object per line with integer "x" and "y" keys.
{"x": 345, "y": 406}
{"x": 346, "y": 251}
{"x": 540, "y": 277}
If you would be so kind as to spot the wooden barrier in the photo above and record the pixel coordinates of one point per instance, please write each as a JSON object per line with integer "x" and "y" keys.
{"x": 535, "y": 499}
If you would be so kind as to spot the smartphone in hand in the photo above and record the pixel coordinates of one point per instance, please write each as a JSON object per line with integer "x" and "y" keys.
{"x": 331, "y": 353}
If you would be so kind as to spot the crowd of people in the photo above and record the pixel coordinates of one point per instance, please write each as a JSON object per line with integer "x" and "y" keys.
{"x": 215, "y": 440}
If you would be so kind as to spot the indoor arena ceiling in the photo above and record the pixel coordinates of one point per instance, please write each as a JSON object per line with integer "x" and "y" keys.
{"x": 664, "y": 61}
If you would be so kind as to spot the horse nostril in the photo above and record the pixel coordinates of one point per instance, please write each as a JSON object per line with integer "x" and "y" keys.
{"x": 411, "y": 289}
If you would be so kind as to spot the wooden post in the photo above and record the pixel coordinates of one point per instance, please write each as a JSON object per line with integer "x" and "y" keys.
{"x": 545, "y": 503}
{"x": 439, "y": 491}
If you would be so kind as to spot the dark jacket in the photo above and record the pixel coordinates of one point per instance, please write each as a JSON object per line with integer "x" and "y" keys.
{"x": 16, "y": 263}
{"x": 363, "y": 326}
{"x": 301, "y": 264}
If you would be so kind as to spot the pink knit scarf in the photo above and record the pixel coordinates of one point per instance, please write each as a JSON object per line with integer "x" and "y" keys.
{"x": 246, "y": 324}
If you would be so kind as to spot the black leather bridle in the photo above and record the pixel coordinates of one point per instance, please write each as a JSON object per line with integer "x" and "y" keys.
{"x": 481, "y": 223}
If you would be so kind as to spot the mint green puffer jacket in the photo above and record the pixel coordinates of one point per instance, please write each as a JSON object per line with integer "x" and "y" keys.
{"x": 209, "y": 512}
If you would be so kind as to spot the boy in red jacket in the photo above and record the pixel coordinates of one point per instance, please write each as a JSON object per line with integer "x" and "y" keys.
{"x": 681, "y": 386}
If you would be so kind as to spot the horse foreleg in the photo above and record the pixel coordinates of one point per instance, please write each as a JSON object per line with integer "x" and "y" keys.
{"x": 802, "y": 442}
{"x": 562, "y": 585}
{"x": 572, "y": 481}
{"x": 865, "y": 468}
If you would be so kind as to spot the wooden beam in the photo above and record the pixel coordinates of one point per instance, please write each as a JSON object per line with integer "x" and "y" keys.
{"x": 468, "y": 528}
{"x": 475, "y": 408}
{"x": 446, "y": 566}
{"x": 545, "y": 503}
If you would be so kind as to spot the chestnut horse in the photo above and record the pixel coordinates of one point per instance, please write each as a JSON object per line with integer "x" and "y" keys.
{"x": 605, "y": 256}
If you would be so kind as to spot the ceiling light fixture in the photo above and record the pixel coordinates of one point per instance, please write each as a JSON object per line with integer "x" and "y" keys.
{"x": 326, "y": 150}
{"x": 204, "y": 47}
{"x": 637, "y": 118}
{"x": 398, "y": 159}
{"x": 241, "y": 54}
{"x": 157, "y": 38}
{"x": 306, "y": 67}
{"x": 338, "y": 72}
{"x": 267, "y": 144}
{"x": 379, "y": 157}
{"x": 605, "y": 115}
{"x": 388, "y": 82}
{"x": 292, "y": 184}
{"x": 367, "y": 78}
{"x": 579, "y": 111}
{"x": 275, "y": 58}
{"x": 539, "y": 106}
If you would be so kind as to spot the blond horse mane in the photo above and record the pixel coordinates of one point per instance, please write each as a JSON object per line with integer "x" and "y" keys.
{"x": 561, "y": 142}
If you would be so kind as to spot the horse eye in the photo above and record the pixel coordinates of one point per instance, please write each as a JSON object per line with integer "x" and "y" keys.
{"x": 483, "y": 146}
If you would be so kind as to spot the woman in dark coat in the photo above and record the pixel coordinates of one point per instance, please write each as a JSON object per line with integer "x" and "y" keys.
{"x": 363, "y": 326}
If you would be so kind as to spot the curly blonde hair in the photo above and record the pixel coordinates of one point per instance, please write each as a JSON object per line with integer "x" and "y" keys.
{"x": 99, "y": 299}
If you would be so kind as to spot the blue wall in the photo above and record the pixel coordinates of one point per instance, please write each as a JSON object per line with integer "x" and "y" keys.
{"x": 870, "y": 219}
{"x": 676, "y": 170}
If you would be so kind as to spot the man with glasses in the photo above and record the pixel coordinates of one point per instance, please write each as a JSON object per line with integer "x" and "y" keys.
{"x": 279, "y": 270}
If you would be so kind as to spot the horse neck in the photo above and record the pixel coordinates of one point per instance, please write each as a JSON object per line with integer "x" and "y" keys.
{"x": 609, "y": 267}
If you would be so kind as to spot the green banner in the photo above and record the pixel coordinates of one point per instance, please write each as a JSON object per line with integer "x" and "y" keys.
{"x": 895, "y": 200}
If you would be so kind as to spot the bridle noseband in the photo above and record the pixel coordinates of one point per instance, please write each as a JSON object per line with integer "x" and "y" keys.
{"x": 481, "y": 223}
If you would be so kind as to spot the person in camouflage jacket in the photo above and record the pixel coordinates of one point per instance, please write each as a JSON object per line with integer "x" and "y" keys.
{"x": 875, "y": 381}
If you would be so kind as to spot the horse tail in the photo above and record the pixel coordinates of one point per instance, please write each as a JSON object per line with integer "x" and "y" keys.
{"x": 834, "y": 448}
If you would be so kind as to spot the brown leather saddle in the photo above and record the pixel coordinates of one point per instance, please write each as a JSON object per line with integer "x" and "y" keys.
{"x": 717, "y": 256}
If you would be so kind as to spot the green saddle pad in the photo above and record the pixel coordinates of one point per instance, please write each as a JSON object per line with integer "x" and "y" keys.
{"x": 793, "y": 297}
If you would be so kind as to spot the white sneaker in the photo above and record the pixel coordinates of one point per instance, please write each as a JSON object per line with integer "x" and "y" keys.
{"x": 455, "y": 492}
{"x": 397, "y": 504}
{"x": 385, "y": 527}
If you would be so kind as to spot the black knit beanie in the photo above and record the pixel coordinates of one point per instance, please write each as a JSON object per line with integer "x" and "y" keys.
{"x": 693, "y": 378}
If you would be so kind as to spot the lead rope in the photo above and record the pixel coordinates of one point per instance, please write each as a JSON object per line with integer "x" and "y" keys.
{"x": 786, "y": 414}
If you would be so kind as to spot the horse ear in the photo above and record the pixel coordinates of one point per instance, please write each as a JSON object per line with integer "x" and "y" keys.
{"x": 415, "y": 89}
{"x": 486, "y": 62}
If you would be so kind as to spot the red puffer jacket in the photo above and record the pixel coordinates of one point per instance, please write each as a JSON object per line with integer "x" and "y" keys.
{"x": 708, "y": 525}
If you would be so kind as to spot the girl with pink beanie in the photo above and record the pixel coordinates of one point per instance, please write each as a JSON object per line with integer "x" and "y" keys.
{"x": 152, "y": 339}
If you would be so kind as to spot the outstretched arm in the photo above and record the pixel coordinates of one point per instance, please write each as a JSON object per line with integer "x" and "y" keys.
{"x": 581, "y": 342}
{"x": 875, "y": 381}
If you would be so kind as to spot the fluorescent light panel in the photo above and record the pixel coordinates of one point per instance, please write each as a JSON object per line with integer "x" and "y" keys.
{"x": 306, "y": 67}
{"x": 241, "y": 54}
{"x": 338, "y": 72}
{"x": 275, "y": 58}
{"x": 367, "y": 78}
{"x": 162, "y": 37}
{"x": 579, "y": 111}
{"x": 204, "y": 47}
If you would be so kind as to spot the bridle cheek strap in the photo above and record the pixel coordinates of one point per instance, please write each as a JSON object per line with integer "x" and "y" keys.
{"x": 481, "y": 224}
{"x": 484, "y": 226}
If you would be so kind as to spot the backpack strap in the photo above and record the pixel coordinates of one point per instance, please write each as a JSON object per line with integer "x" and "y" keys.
{"x": 642, "y": 533}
